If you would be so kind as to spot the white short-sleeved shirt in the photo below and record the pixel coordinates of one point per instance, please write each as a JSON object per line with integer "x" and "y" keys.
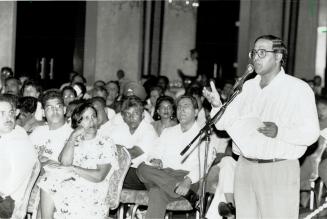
{"x": 49, "y": 143}
{"x": 144, "y": 137}
{"x": 110, "y": 113}
{"x": 17, "y": 159}
{"x": 169, "y": 145}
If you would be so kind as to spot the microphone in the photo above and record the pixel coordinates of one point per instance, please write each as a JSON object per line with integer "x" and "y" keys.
{"x": 239, "y": 83}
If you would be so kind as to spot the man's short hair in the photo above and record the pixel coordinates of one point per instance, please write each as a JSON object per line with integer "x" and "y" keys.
{"x": 49, "y": 95}
{"x": 192, "y": 51}
{"x": 321, "y": 99}
{"x": 132, "y": 101}
{"x": 278, "y": 46}
{"x": 100, "y": 100}
{"x": 9, "y": 98}
{"x": 116, "y": 83}
{"x": 164, "y": 78}
{"x": 194, "y": 90}
{"x": 120, "y": 73}
{"x": 68, "y": 87}
{"x": 157, "y": 88}
{"x": 8, "y": 69}
{"x": 81, "y": 76}
{"x": 81, "y": 87}
{"x": 193, "y": 100}
{"x": 99, "y": 82}
{"x": 13, "y": 78}
{"x": 27, "y": 104}
{"x": 34, "y": 84}
{"x": 100, "y": 89}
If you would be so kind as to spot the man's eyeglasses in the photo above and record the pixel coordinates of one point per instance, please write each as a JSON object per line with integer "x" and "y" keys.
{"x": 260, "y": 52}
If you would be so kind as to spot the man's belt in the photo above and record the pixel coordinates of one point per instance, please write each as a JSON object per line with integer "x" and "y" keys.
{"x": 264, "y": 160}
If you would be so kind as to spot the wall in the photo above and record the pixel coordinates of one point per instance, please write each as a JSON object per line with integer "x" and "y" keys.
{"x": 7, "y": 33}
{"x": 321, "y": 53}
{"x": 257, "y": 18}
{"x": 112, "y": 39}
{"x": 294, "y": 21}
{"x": 179, "y": 33}
{"x": 306, "y": 39}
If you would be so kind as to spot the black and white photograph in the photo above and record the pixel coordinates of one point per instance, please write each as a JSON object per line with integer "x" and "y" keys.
{"x": 163, "y": 109}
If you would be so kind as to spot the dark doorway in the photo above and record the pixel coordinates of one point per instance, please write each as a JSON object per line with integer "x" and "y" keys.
{"x": 49, "y": 40}
{"x": 217, "y": 37}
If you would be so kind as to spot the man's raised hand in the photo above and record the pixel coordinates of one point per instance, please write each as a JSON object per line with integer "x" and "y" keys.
{"x": 212, "y": 96}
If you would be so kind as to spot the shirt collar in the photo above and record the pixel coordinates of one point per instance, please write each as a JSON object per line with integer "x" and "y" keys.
{"x": 194, "y": 126}
{"x": 276, "y": 81}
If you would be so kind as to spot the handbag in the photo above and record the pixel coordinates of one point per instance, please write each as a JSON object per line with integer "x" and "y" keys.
{"x": 7, "y": 206}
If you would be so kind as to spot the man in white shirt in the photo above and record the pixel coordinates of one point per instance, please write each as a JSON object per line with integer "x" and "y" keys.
{"x": 279, "y": 116}
{"x": 100, "y": 105}
{"x": 50, "y": 139}
{"x": 33, "y": 89}
{"x": 137, "y": 135}
{"x": 17, "y": 156}
{"x": 166, "y": 177}
{"x": 189, "y": 66}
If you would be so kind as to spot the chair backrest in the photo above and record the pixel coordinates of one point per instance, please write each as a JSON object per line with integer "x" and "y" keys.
{"x": 117, "y": 178}
{"x": 20, "y": 211}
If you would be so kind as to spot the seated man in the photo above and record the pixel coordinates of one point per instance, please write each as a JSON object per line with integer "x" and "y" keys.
{"x": 12, "y": 86}
{"x": 137, "y": 135}
{"x": 313, "y": 156}
{"x": 104, "y": 114}
{"x": 17, "y": 156}
{"x": 26, "y": 118}
{"x": 113, "y": 89}
{"x": 50, "y": 139}
{"x": 222, "y": 175}
{"x": 33, "y": 89}
{"x": 166, "y": 177}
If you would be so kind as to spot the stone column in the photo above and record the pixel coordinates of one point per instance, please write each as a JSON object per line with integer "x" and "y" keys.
{"x": 112, "y": 39}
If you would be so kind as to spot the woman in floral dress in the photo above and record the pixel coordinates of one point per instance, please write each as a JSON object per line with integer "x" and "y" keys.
{"x": 78, "y": 187}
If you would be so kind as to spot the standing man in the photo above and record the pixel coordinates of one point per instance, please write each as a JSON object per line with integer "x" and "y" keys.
{"x": 267, "y": 177}
{"x": 189, "y": 67}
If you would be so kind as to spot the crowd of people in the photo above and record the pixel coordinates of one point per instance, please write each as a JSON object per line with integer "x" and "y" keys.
{"x": 252, "y": 158}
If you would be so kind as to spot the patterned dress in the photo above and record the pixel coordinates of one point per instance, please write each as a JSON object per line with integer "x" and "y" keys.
{"x": 77, "y": 197}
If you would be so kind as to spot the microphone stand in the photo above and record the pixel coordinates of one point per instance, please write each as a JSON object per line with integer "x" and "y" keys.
{"x": 207, "y": 131}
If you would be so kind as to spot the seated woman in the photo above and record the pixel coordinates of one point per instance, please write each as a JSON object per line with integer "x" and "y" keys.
{"x": 164, "y": 114}
{"x": 78, "y": 187}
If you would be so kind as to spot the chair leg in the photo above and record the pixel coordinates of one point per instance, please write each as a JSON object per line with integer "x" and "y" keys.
{"x": 121, "y": 212}
{"x": 312, "y": 194}
{"x": 320, "y": 191}
{"x": 135, "y": 207}
{"x": 197, "y": 215}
